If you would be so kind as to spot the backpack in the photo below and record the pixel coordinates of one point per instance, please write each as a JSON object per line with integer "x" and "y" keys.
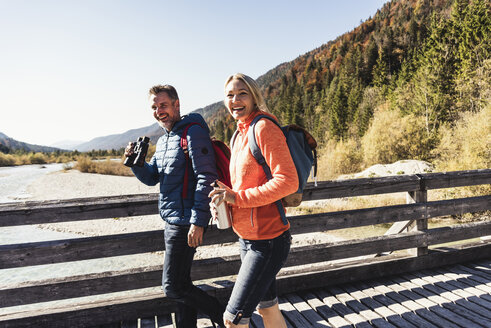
{"x": 222, "y": 159}
{"x": 302, "y": 146}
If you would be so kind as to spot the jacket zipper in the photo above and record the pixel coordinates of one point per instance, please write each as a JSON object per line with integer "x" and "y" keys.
{"x": 252, "y": 217}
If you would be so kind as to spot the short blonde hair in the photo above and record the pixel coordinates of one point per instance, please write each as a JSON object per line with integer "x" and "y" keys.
{"x": 253, "y": 88}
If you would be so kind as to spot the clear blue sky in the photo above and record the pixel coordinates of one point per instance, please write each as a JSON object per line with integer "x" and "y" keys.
{"x": 76, "y": 70}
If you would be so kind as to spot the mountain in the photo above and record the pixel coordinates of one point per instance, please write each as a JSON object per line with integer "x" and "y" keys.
{"x": 8, "y": 144}
{"x": 117, "y": 141}
{"x": 428, "y": 58}
{"x": 67, "y": 144}
{"x": 409, "y": 52}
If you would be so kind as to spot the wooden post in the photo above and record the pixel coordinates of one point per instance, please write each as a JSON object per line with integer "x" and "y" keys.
{"x": 420, "y": 196}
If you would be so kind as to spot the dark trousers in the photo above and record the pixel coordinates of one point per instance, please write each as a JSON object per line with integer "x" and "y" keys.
{"x": 177, "y": 284}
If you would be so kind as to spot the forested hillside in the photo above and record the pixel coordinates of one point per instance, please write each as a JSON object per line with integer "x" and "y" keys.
{"x": 396, "y": 87}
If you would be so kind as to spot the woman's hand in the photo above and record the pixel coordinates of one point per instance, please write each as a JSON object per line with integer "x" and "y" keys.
{"x": 219, "y": 194}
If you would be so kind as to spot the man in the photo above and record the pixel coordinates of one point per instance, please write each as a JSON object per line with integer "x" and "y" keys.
{"x": 186, "y": 216}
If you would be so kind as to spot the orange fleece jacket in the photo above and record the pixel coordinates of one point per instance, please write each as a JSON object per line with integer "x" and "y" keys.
{"x": 254, "y": 214}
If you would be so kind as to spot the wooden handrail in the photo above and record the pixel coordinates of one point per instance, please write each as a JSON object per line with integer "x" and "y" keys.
{"x": 47, "y": 252}
{"x": 12, "y": 214}
{"x": 294, "y": 276}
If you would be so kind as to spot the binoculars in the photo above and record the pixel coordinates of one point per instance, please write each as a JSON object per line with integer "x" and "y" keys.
{"x": 139, "y": 153}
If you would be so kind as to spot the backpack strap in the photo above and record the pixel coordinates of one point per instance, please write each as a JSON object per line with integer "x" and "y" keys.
{"x": 256, "y": 152}
{"x": 184, "y": 146}
{"x": 232, "y": 140}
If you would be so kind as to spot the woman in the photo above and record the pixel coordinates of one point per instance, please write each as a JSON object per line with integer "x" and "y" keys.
{"x": 264, "y": 239}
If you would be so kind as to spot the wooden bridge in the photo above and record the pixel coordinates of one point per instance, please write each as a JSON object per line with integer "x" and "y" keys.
{"x": 404, "y": 278}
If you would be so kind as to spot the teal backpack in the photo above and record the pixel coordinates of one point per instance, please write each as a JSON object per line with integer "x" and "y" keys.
{"x": 303, "y": 151}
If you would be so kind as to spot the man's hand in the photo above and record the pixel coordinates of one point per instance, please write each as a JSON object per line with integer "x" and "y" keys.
{"x": 130, "y": 149}
{"x": 195, "y": 235}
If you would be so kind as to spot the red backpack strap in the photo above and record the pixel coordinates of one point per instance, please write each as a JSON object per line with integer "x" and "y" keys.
{"x": 184, "y": 146}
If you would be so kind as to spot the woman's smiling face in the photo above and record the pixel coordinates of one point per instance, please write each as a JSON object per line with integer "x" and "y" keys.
{"x": 239, "y": 100}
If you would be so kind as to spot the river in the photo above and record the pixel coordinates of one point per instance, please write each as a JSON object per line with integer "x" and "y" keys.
{"x": 15, "y": 179}
{"x": 14, "y": 182}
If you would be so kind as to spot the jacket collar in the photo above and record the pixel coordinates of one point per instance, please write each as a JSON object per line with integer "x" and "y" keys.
{"x": 243, "y": 127}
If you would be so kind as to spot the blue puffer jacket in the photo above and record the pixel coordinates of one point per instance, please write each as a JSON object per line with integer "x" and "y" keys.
{"x": 167, "y": 166}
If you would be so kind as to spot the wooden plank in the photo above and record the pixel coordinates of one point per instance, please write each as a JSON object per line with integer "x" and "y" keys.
{"x": 80, "y": 286}
{"x": 19, "y": 255}
{"x": 484, "y": 264}
{"x": 380, "y": 267}
{"x": 332, "y": 317}
{"x": 403, "y": 317}
{"x": 454, "y": 315}
{"x": 420, "y": 196}
{"x": 14, "y": 214}
{"x": 386, "y": 214}
{"x": 150, "y": 322}
{"x": 47, "y": 252}
{"x": 414, "y": 312}
{"x": 360, "y": 187}
{"x": 427, "y": 310}
{"x": 458, "y": 232}
{"x": 164, "y": 321}
{"x": 462, "y": 281}
{"x": 484, "y": 284}
{"x": 91, "y": 313}
{"x": 364, "y": 295}
{"x": 355, "y": 218}
{"x": 129, "y": 324}
{"x": 456, "y": 179}
{"x": 26, "y": 254}
{"x": 462, "y": 297}
{"x": 479, "y": 273}
{"x": 306, "y": 311}
{"x": 445, "y": 317}
{"x": 466, "y": 309}
{"x": 149, "y": 277}
{"x": 348, "y": 314}
{"x": 292, "y": 317}
{"x": 458, "y": 206}
{"x": 374, "y": 268}
{"x": 207, "y": 268}
{"x": 348, "y": 296}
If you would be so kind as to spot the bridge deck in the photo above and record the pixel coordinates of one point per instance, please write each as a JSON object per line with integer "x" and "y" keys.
{"x": 456, "y": 296}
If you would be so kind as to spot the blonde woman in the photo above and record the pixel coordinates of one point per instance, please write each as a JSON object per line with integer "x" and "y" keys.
{"x": 264, "y": 238}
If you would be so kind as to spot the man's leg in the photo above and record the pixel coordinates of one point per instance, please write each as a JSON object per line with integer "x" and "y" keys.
{"x": 177, "y": 282}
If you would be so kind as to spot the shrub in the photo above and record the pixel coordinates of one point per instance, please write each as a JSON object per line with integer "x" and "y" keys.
{"x": 392, "y": 137}
{"x": 84, "y": 164}
{"x": 339, "y": 157}
{"x": 38, "y": 158}
{"x": 466, "y": 145}
{"x": 7, "y": 159}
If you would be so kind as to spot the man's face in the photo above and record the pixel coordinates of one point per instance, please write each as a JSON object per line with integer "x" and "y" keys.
{"x": 165, "y": 111}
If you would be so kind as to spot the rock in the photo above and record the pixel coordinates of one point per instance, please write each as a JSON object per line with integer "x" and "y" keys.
{"x": 397, "y": 168}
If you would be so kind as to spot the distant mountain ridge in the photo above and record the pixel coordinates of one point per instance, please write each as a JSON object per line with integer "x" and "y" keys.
{"x": 334, "y": 89}
{"x": 7, "y": 144}
{"x": 117, "y": 141}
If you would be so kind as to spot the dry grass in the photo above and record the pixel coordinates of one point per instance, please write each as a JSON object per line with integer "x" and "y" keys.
{"x": 110, "y": 167}
{"x": 32, "y": 158}
{"x": 392, "y": 137}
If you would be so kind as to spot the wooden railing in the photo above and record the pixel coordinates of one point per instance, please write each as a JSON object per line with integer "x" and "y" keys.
{"x": 308, "y": 266}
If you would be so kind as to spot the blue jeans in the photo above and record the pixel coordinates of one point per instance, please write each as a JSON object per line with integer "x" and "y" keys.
{"x": 256, "y": 282}
{"x": 177, "y": 283}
